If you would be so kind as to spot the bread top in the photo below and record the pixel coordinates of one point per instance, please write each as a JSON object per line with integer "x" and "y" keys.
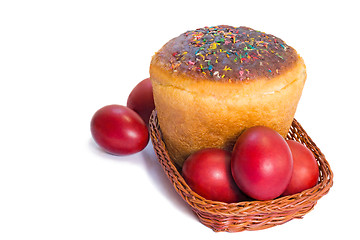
{"x": 226, "y": 54}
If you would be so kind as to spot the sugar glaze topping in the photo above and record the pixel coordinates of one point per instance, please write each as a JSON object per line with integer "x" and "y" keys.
{"x": 225, "y": 53}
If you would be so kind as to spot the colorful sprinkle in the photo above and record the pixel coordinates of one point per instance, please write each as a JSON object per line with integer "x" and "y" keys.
{"x": 226, "y": 68}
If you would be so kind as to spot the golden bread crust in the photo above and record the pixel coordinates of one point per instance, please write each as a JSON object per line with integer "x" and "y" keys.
{"x": 197, "y": 112}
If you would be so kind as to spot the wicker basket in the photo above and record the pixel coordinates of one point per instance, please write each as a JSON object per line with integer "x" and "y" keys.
{"x": 249, "y": 215}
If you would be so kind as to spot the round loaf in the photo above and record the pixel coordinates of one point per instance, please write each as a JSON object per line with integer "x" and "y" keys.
{"x": 212, "y": 83}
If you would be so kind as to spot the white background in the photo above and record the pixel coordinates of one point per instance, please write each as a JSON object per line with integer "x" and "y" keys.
{"x": 60, "y": 61}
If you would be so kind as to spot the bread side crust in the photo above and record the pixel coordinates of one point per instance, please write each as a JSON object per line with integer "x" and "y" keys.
{"x": 195, "y": 113}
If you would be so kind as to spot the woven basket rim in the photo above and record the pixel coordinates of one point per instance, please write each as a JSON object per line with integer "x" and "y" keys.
{"x": 288, "y": 207}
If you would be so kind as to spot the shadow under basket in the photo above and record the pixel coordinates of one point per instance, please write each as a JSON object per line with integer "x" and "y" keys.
{"x": 248, "y": 215}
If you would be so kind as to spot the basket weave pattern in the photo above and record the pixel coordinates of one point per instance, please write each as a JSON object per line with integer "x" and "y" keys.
{"x": 249, "y": 215}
